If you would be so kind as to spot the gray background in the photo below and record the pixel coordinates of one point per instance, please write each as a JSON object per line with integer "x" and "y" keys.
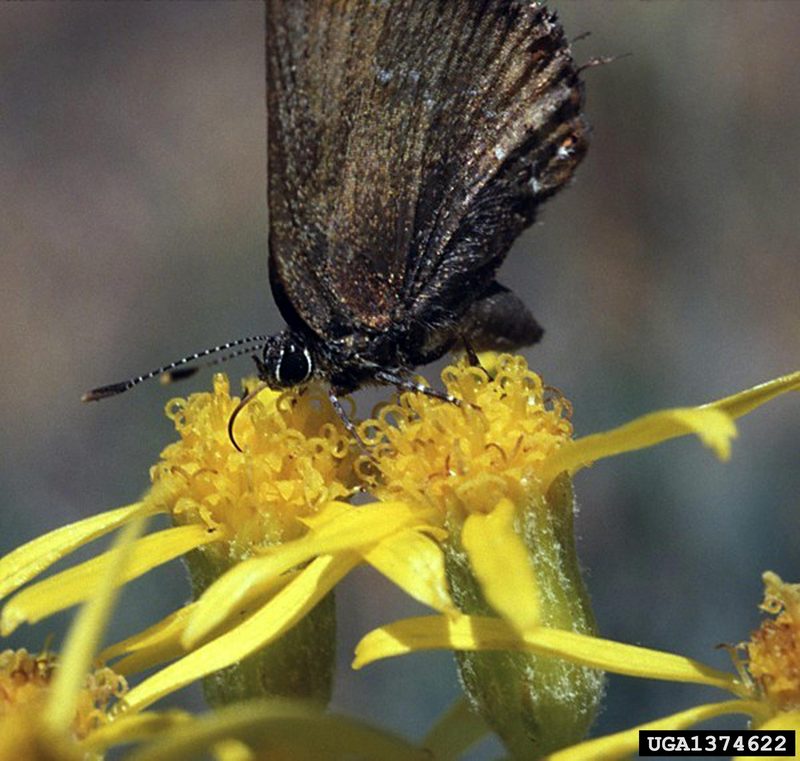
{"x": 133, "y": 230}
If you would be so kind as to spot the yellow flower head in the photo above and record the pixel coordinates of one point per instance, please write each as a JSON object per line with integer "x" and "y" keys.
{"x": 466, "y": 459}
{"x": 773, "y": 651}
{"x": 25, "y": 681}
{"x": 295, "y": 458}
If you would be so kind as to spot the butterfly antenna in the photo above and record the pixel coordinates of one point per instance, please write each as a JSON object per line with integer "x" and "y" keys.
{"x": 187, "y": 372}
{"x": 176, "y": 370}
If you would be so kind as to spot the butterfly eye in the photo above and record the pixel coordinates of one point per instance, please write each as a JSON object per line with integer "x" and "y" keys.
{"x": 294, "y": 365}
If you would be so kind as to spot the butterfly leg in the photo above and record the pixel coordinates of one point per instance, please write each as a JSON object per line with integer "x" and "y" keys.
{"x": 472, "y": 355}
{"x": 405, "y": 384}
{"x": 345, "y": 418}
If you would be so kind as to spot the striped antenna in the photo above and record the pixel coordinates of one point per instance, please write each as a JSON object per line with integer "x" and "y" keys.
{"x": 187, "y": 372}
{"x": 177, "y": 370}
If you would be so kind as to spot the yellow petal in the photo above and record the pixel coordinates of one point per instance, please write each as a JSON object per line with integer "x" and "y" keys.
{"x": 164, "y": 640}
{"x": 415, "y": 563}
{"x": 328, "y": 514}
{"x": 482, "y": 633}
{"x": 241, "y": 586}
{"x": 714, "y": 428}
{"x": 156, "y": 644}
{"x": 455, "y": 732}
{"x": 27, "y": 562}
{"x": 300, "y": 730}
{"x": 351, "y": 529}
{"x": 500, "y": 561}
{"x": 715, "y": 431}
{"x": 746, "y": 401}
{"x": 286, "y": 608}
{"x": 131, "y": 727}
{"x": 625, "y": 744}
{"x": 357, "y": 526}
{"x": 80, "y": 582}
{"x": 85, "y": 633}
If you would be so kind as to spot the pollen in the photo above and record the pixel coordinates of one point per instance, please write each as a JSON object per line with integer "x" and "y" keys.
{"x": 774, "y": 649}
{"x": 466, "y": 457}
{"x": 295, "y": 457}
{"x": 25, "y": 680}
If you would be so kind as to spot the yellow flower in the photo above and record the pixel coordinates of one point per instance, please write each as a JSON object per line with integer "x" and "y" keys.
{"x": 509, "y": 546}
{"x": 773, "y": 652}
{"x": 226, "y": 505}
{"x": 294, "y": 461}
{"x": 25, "y": 681}
{"x": 58, "y": 708}
{"x": 497, "y": 473}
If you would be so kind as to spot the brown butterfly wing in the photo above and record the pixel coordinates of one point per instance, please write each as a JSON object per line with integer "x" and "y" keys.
{"x": 409, "y": 145}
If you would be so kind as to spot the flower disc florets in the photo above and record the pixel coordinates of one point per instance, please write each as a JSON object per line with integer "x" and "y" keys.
{"x": 25, "y": 680}
{"x": 773, "y": 651}
{"x": 469, "y": 457}
{"x": 295, "y": 458}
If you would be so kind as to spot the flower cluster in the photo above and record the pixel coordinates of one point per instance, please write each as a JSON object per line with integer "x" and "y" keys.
{"x": 469, "y": 510}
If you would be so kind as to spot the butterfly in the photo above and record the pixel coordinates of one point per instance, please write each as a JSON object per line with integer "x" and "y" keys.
{"x": 409, "y": 144}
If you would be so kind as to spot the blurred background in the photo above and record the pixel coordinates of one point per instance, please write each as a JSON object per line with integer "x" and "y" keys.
{"x": 133, "y": 231}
